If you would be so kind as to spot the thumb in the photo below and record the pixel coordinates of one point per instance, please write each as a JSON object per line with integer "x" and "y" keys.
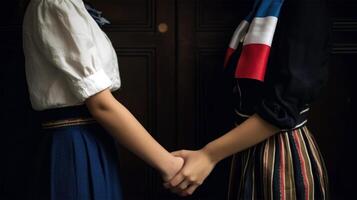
{"x": 180, "y": 153}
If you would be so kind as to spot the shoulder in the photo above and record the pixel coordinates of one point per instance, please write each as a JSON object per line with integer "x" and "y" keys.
{"x": 57, "y": 7}
{"x": 48, "y": 13}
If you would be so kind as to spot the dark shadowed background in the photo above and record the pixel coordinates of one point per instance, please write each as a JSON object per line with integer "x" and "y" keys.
{"x": 170, "y": 52}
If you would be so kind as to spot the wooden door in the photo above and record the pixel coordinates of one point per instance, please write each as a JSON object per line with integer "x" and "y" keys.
{"x": 204, "y": 28}
{"x": 170, "y": 52}
{"x": 333, "y": 115}
{"x": 143, "y": 34}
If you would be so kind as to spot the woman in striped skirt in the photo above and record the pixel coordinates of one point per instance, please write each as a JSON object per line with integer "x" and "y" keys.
{"x": 274, "y": 154}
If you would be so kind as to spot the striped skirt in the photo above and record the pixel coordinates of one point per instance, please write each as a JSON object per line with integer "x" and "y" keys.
{"x": 288, "y": 166}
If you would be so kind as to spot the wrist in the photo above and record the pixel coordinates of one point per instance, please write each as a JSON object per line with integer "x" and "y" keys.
{"x": 211, "y": 153}
{"x": 168, "y": 166}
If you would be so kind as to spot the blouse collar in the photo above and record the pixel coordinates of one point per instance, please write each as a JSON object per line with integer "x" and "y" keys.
{"x": 96, "y": 14}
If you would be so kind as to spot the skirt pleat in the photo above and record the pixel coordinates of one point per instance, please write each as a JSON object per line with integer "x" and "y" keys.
{"x": 288, "y": 166}
{"x": 81, "y": 164}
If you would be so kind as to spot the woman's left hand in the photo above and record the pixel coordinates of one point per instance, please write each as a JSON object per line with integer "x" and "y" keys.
{"x": 198, "y": 165}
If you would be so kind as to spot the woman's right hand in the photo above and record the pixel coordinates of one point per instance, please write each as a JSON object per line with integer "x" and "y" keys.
{"x": 198, "y": 165}
{"x": 172, "y": 168}
{"x": 128, "y": 131}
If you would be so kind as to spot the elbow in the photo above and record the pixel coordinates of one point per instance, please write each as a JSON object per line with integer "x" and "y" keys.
{"x": 99, "y": 103}
{"x": 281, "y": 122}
{"x": 96, "y": 108}
{"x": 280, "y": 115}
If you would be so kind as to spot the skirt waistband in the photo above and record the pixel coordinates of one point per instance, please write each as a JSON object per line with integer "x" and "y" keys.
{"x": 65, "y": 116}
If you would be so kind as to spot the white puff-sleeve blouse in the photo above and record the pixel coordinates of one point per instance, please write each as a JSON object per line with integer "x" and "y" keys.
{"x": 68, "y": 58}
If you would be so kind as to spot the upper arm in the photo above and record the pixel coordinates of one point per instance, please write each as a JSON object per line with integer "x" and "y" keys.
{"x": 101, "y": 101}
{"x": 297, "y": 66}
{"x": 63, "y": 34}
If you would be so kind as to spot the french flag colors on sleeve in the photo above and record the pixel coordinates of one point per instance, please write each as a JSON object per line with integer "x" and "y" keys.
{"x": 256, "y": 32}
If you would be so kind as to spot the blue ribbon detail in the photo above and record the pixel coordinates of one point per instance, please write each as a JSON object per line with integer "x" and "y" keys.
{"x": 96, "y": 14}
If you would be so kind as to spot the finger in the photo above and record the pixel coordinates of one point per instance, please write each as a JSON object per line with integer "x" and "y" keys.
{"x": 176, "y": 180}
{"x": 178, "y": 153}
{"x": 183, "y": 185}
{"x": 190, "y": 190}
{"x": 177, "y": 189}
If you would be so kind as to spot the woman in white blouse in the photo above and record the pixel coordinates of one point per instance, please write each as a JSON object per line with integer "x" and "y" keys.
{"x": 71, "y": 70}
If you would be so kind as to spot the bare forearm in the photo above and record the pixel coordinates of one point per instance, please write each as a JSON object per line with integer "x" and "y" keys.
{"x": 199, "y": 164}
{"x": 249, "y": 133}
{"x": 123, "y": 126}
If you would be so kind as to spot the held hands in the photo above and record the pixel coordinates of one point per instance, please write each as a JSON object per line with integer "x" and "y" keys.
{"x": 198, "y": 165}
{"x": 172, "y": 168}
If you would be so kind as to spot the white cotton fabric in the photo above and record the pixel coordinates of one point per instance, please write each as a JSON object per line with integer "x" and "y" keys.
{"x": 68, "y": 57}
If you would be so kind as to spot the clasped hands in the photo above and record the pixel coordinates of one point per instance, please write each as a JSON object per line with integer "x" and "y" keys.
{"x": 195, "y": 167}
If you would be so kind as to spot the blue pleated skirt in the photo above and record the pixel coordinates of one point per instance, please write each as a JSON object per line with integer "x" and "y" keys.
{"x": 76, "y": 160}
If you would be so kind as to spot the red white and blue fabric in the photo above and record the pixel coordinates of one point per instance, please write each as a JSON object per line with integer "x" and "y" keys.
{"x": 256, "y": 32}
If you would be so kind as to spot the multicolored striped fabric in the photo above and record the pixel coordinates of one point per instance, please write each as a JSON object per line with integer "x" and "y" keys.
{"x": 256, "y": 33}
{"x": 287, "y": 166}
